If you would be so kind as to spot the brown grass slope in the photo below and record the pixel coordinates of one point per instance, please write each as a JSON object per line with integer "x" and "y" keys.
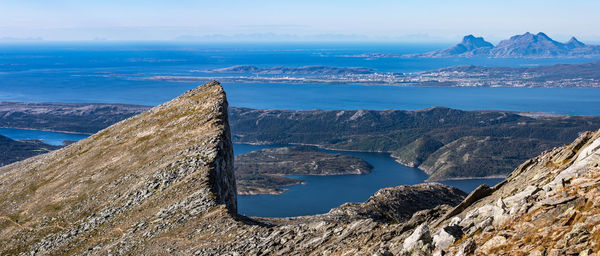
{"x": 122, "y": 187}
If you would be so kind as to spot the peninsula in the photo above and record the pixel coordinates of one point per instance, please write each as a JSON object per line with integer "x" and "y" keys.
{"x": 263, "y": 171}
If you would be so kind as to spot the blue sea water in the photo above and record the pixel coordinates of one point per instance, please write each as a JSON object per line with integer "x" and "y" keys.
{"x": 106, "y": 73}
{"x": 52, "y": 138}
{"x": 109, "y": 72}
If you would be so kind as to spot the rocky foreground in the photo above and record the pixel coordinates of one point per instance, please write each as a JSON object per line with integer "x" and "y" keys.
{"x": 162, "y": 183}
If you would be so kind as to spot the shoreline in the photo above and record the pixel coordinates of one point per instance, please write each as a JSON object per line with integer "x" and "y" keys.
{"x": 47, "y": 130}
{"x": 380, "y": 152}
{"x": 471, "y": 178}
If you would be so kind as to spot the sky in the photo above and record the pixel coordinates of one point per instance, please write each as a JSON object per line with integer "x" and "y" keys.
{"x": 310, "y": 20}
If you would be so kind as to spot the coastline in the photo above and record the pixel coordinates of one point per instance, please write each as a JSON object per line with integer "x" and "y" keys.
{"x": 48, "y": 130}
{"x": 383, "y": 152}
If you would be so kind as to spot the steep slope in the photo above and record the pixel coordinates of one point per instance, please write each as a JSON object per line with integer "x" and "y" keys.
{"x": 126, "y": 186}
{"x": 548, "y": 206}
{"x": 480, "y": 156}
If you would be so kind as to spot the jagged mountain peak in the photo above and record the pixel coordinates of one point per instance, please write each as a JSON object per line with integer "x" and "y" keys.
{"x": 469, "y": 46}
{"x": 528, "y": 38}
{"x": 574, "y": 43}
{"x": 527, "y": 45}
{"x": 471, "y": 42}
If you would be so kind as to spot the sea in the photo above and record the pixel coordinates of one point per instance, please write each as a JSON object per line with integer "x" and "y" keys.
{"x": 102, "y": 72}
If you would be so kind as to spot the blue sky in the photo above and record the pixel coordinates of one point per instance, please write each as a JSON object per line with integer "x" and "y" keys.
{"x": 374, "y": 20}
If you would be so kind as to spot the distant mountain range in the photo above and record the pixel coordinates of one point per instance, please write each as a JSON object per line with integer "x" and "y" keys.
{"x": 527, "y": 45}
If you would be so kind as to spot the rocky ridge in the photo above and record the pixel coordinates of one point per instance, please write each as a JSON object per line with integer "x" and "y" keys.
{"x": 547, "y": 206}
{"x": 124, "y": 188}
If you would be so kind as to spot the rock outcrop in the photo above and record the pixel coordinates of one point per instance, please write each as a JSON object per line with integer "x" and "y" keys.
{"x": 547, "y": 206}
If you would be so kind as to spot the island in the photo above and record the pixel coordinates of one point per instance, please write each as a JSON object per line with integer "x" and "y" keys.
{"x": 86, "y": 118}
{"x": 263, "y": 171}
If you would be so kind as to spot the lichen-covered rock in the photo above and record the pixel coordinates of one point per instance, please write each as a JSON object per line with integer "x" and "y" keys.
{"x": 547, "y": 206}
{"x": 419, "y": 241}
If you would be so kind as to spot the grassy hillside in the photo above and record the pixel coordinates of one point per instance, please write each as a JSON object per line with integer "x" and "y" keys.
{"x": 447, "y": 143}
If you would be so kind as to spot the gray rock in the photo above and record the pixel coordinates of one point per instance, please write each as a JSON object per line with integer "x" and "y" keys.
{"x": 418, "y": 239}
{"x": 446, "y": 236}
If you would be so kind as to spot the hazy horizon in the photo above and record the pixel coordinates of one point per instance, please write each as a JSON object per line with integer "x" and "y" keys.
{"x": 310, "y": 20}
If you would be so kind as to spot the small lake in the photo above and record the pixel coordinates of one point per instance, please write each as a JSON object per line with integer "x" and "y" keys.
{"x": 318, "y": 195}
